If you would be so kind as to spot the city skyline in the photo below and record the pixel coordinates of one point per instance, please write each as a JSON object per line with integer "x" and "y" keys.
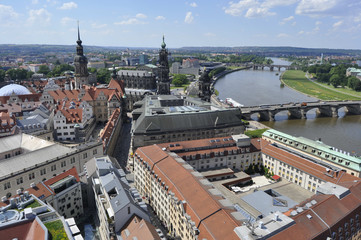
{"x": 295, "y": 23}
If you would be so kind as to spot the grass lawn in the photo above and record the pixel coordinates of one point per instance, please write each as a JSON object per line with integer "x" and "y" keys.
{"x": 34, "y": 204}
{"x": 255, "y": 133}
{"x": 181, "y": 87}
{"x": 56, "y": 230}
{"x": 296, "y": 79}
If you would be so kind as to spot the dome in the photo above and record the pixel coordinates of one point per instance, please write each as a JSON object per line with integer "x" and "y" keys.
{"x": 13, "y": 88}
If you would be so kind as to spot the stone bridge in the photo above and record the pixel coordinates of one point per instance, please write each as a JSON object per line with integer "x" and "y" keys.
{"x": 299, "y": 111}
{"x": 271, "y": 67}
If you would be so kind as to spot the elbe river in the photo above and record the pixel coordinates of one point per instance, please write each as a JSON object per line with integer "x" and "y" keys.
{"x": 256, "y": 87}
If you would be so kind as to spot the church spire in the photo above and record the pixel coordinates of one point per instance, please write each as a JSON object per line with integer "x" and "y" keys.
{"x": 79, "y": 48}
{"x": 163, "y": 43}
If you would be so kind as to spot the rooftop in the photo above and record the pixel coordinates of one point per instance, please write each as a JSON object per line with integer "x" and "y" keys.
{"x": 214, "y": 220}
{"x": 322, "y": 150}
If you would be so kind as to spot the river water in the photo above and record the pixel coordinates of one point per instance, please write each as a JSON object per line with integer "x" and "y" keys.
{"x": 255, "y": 87}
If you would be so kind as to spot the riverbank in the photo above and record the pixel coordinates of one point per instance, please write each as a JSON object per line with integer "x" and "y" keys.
{"x": 297, "y": 80}
{"x": 224, "y": 73}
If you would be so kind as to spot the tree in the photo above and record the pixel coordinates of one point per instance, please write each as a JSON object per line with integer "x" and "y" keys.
{"x": 335, "y": 80}
{"x": 44, "y": 69}
{"x": 2, "y": 75}
{"x": 92, "y": 70}
{"x": 103, "y": 75}
{"x": 358, "y": 86}
{"x": 60, "y": 69}
{"x": 179, "y": 80}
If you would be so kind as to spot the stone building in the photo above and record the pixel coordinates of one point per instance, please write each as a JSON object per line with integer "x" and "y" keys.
{"x": 205, "y": 89}
{"x": 26, "y": 160}
{"x": 168, "y": 118}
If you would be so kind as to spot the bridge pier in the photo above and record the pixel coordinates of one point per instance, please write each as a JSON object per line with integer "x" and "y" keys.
{"x": 334, "y": 111}
{"x": 353, "y": 109}
{"x": 296, "y": 114}
{"x": 324, "y": 111}
{"x": 246, "y": 116}
{"x": 266, "y": 116}
{"x": 271, "y": 69}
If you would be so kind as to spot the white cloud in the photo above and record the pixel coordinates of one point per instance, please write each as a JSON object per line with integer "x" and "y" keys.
{"x": 98, "y": 26}
{"x": 39, "y": 16}
{"x": 7, "y": 15}
{"x": 130, "y": 21}
{"x": 68, "y": 6}
{"x": 189, "y": 18}
{"x": 301, "y": 32}
{"x": 316, "y": 8}
{"x": 287, "y": 19}
{"x": 282, "y": 35}
{"x": 237, "y": 9}
{"x": 160, "y": 18}
{"x": 67, "y": 20}
{"x": 258, "y": 12}
{"x": 252, "y": 8}
{"x": 133, "y": 20}
{"x": 337, "y": 24}
{"x": 318, "y": 23}
{"x": 275, "y": 3}
{"x": 141, "y": 15}
{"x": 193, "y": 4}
{"x": 35, "y": 1}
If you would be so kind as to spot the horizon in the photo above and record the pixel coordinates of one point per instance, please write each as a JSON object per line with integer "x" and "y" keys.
{"x": 330, "y": 24}
{"x": 86, "y": 45}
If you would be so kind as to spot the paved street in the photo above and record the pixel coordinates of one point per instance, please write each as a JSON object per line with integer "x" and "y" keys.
{"x": 121, "y": 151}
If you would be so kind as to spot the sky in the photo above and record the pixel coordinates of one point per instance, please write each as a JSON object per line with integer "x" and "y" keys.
{"x": 216, "y": 23}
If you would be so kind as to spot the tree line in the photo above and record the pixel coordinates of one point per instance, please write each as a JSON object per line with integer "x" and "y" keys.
{"x": 335, "y": 75}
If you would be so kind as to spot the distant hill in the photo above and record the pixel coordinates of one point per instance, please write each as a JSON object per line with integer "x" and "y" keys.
{"x": 279, "y": 51}
{"x": 39, "y": 49}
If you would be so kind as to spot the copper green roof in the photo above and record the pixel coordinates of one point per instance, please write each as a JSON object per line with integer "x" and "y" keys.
{"x": 316, "y": 148}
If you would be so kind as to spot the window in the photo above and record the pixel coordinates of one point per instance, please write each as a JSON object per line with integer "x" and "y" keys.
{"x": 43, "y": 171}
{"x": 63, "y": 163}
{"x": 85, "y": 155}
{"x": 19, "y": 180}
{"x": 53, "y": 167}
{"x": 72, "y": 160}
{"x": 128, "y": 210}
{"x": 95, "y": 151}
{"x": 7, "y": 185}
{"x": 31, "y": 176}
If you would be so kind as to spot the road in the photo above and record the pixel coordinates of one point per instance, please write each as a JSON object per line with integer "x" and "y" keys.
{"x": 121, "y": 150}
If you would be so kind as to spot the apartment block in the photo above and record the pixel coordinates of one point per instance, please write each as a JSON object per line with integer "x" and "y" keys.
{"x": 185, "y": 201}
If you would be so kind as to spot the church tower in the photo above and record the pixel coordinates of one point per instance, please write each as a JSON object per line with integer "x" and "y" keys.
{"x": 163, "y": 84}
{"x": 81, "y": 65}
{"x": 204, "y": 83}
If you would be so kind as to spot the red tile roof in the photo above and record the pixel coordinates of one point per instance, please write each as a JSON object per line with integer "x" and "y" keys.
{"x": 212, "y": 219}
{"x": 107, "y": 131}
{"x": 325, "y": 217}
{"x": 139, "y": 229}
{"x": 23, "y": 231}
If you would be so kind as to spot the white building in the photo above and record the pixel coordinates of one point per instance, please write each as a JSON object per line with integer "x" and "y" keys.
{"x": 71, "y": 119}
{"x": 26, "y": 160}
{"x": 116, "y": 203}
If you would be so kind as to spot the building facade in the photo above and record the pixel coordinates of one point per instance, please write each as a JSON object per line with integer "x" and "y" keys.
{"x": 164, "y": 179}
{"x": 167, "y": 118}
{"x": 26, "y": 160}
